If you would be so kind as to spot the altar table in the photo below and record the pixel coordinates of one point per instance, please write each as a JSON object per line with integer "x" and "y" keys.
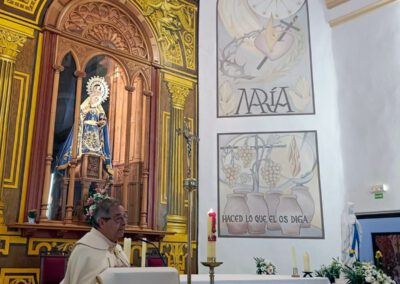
{"x": 137, "y": 275}
{"x": 252, "y": 279}
{"x": 169, "y": 275}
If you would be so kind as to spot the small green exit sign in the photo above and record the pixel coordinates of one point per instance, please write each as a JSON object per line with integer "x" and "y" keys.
{"x": 378, "y": 195}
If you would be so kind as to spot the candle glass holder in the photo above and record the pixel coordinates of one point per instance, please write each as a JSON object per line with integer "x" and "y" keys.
{"x": 295, "y": 272}
{"x": 211, "y": 265}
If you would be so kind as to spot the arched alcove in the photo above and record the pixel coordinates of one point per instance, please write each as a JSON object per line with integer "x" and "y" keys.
{"x": 109, "y": 42}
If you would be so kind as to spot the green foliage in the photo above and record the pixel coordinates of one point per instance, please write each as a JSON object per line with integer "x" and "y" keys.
{"x": 32, "y": 213}
{"x": 354, "y": 274}
{"x": 331, "y": 271}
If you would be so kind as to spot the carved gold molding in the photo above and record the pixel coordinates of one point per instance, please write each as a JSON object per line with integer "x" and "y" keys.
{"x": 177, "y": 224}
{"x": 28, "y": 6}
{"x": 11, "y": 43}
{"x": 179, "y": 89}
{"x": 19, "y": 275}
{"x": 12, "y": 38}
{"x": 6, "y": 241}
{"x": 11, "y": 180}
{"x": 36, "y": 245}
{"x": 178, "y": 95}
{"x": 175, "y": 250}
{"x": 176, "y": 255}
{"x": 164, "y": 157}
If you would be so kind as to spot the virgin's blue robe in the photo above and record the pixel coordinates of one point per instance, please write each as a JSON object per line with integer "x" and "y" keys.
{"x": 92, "y": 138}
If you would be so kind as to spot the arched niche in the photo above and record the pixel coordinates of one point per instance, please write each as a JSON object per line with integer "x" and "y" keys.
{"x": 116, "y": 36}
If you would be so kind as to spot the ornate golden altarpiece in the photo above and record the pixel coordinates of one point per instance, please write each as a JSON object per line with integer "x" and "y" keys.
{"x": 153, "y": 42}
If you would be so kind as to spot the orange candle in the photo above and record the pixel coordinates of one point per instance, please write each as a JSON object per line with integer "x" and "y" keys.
{"x": 211, "y": 235}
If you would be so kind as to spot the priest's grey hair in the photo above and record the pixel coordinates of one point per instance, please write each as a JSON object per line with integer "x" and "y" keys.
{"x": 103, "y": 209}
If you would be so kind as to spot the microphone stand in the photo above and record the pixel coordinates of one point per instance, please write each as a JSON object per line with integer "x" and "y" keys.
{"x": 156, "y": 247}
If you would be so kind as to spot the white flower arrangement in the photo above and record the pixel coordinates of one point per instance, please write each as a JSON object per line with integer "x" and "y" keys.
{"x": 365, "y": 272}
{"x": 264, "y": 266}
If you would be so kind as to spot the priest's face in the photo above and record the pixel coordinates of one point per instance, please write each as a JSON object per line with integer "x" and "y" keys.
{"x": 114, "y": 227}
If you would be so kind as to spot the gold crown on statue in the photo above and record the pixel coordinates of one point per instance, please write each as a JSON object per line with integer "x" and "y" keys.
{"x": 98, "y": 84}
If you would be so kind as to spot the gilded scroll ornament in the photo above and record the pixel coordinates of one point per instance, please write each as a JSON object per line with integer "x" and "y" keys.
{"x": 35, "y": 246}
{"x": 190, "y": 49}
{"x": 176, "y": 254}
{"x": 175, "y": 24}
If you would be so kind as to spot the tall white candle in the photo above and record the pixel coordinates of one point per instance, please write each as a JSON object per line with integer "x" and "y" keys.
{"x": 144, "y": 251}
{"x": 211, "y": 235}
{"x": 294, "y": 257}
{"x": 127, "y": 247}
{"x": 306, "y": 259}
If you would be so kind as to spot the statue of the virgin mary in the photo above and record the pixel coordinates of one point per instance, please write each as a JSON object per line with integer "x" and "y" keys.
{"x": 92, "y": 130}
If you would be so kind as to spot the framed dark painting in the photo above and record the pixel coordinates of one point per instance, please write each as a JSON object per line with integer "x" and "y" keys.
{"x": 389, "y": 245}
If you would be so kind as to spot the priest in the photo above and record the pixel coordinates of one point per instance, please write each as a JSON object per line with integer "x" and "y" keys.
{"x": 99, "y": 248}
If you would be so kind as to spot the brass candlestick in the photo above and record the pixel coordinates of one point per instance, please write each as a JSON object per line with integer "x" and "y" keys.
{"x": 211, "y": 265}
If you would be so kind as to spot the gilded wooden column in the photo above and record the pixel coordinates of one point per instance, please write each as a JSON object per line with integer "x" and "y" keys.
{"x": 130, "y": 90}
{"x": 70, "y": 198}
{"x": 179, "y": 89}
{"x": 49, "y": 155}
{"x": 11, "y": 42}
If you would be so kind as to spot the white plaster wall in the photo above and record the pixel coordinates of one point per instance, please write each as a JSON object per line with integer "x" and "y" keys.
{"x": 367, "y": 56}
{"x": 237, "y": 253}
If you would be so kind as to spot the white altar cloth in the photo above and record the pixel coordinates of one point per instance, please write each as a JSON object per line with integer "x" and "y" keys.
{"x": 252, "y": 279}
{"x": 138, "y": 275}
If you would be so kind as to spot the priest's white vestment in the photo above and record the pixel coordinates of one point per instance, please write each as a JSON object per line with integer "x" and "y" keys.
{"x": 93, "y": 254}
